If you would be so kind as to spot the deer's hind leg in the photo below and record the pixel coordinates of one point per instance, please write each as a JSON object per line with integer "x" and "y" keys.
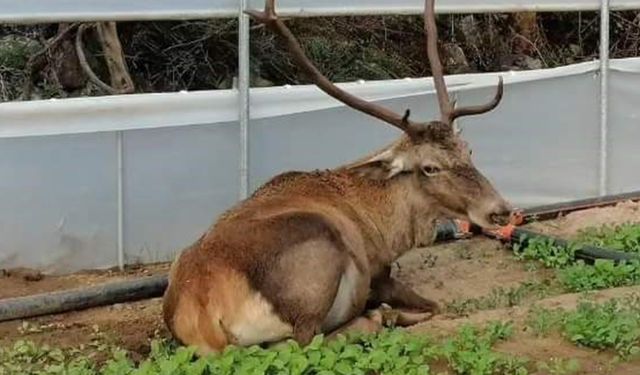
{"x": 315, "y": 287}
{"x": 410, "y": 307}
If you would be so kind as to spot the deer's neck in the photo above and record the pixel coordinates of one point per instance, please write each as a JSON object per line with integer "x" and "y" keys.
{"x": 401, "y": 217}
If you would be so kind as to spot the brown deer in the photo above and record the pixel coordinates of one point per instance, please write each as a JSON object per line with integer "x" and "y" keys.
{"x": 310, "y": 252}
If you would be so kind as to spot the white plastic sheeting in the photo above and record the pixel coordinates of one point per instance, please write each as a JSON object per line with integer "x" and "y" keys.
{"x": 58, "y": 159}
{"x": 33, "y": 11}
{"x": 624, "y": 128}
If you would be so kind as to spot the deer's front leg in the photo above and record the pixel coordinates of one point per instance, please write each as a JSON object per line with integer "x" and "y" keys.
{"x": 410, "y": 306}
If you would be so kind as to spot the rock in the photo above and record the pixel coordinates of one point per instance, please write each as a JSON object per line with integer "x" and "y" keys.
{"x": 530, "y": 63}
{"x": 522, "y": 62}
{"x": 454, "y": 59}
{"x": 27, "y": 274}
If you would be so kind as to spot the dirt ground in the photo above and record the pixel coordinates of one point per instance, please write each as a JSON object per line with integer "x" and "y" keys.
{"x": 569, "y": 225}
{"x": 448, "y": 273}
{"x": 23, "y": 282}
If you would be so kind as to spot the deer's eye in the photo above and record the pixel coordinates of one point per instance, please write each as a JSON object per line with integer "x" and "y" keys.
{"x": 430, "y": 170}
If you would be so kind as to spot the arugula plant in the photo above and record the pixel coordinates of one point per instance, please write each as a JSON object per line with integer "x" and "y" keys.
{"x": 622, "y": 237}
{"x": 575, "y": 275}
{"x": 392, "y": 351}
{"x": 612, "y": 325}
{"x": 546, "y": 251}
{"x": 470, "y": 351}
{"x": 603, "y": 274}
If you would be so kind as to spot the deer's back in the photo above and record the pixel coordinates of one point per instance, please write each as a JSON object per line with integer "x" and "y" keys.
{"x": 291, "y": 208}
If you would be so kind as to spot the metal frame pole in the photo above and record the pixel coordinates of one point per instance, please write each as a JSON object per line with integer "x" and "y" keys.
{"x": 243, "y": 93}
{"x": 120, "y": 193}
{"x": 604, "y": 96}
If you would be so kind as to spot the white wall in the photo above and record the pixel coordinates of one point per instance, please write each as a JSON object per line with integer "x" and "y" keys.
{"x": 58, "y": 159}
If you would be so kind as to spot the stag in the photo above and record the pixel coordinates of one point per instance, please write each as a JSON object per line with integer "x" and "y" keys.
{"x": 311, "y": 252}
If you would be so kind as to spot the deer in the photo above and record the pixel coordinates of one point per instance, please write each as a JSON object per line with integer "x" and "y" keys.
{"x": 310, "y": 252}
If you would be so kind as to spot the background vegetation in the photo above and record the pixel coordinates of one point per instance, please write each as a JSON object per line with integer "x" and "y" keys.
{"x": 202, "y": 55}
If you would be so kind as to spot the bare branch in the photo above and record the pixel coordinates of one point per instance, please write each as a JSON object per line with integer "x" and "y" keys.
{"x": 85, "y": 65}
{"x": 113, "y": 55}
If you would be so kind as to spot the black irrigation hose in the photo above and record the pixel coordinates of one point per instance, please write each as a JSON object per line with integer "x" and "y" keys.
{"x": 448, "y": 231}
{"x": 82, "y": 298}
{"x": 154, "y": 286}
{"x": 585, "y": 252}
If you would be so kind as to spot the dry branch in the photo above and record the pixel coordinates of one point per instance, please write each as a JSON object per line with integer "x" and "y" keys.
{"x": 120, "y": 78}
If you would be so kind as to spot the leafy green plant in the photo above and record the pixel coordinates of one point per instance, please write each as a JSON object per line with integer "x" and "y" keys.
{"x": 26, "y": 358}
{"x": 559, "y": 366}
{"x": 622, "y": 237}
{"x": 470, "y": 351}
{"x": 603, "y": 274}
{"x": 389, "y": 352}
{"x": 546, "y": 251}
{"x": 611, "y": 325}
{"x": 542, "y": 321}
{"x": 575, "y": 275}
{"x": 15, "y": 51}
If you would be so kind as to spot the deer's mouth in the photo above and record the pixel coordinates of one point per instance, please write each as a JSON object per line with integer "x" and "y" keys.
{"x": 491, "y": 221}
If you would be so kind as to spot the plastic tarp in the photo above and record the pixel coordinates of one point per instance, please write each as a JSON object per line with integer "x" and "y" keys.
{"x": 33, "y": 11}
{"x": 58, "y": 158}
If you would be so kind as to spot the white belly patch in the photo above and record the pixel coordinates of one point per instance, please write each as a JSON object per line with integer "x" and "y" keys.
{"x": 342, "y": 309}
{"x": 256, "y": 322}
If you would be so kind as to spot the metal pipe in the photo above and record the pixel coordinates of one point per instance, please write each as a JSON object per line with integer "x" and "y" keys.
{"x": 604, "y": 96}
{"x": 120, "y": 193}
{"x": 50, "y": 12}
{"x": 243, "y": 93}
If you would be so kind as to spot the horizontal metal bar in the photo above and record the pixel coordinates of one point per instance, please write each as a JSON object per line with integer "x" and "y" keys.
{"x": 37, "y": 11}
{"x": 415, "y": 7}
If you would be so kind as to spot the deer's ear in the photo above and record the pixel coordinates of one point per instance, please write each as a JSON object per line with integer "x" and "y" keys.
{"x": 383, "y": 166}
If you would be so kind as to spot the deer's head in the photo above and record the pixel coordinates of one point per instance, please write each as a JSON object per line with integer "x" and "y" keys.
{"x": 433, "y": 153}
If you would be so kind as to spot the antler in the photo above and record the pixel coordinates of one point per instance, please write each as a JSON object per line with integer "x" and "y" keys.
{"x": 271, "y": 20}
{"x": 448, "y": 112}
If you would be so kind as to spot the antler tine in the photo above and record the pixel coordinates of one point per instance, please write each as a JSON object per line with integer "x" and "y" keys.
{"x": 447, "y": 111}
{"x": 270, "y": 19}
{"x": 483, "y": 108}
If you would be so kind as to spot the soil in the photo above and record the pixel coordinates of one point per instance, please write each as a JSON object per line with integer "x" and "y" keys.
{"x": 22, "y": 282}
{"x": 446, "y": 273}
{"x": 571, "y": 224}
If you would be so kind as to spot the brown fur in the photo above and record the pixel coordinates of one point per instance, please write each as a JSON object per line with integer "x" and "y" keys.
{"x": 292, "y": 240}
{"x": 308, "y": 251}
